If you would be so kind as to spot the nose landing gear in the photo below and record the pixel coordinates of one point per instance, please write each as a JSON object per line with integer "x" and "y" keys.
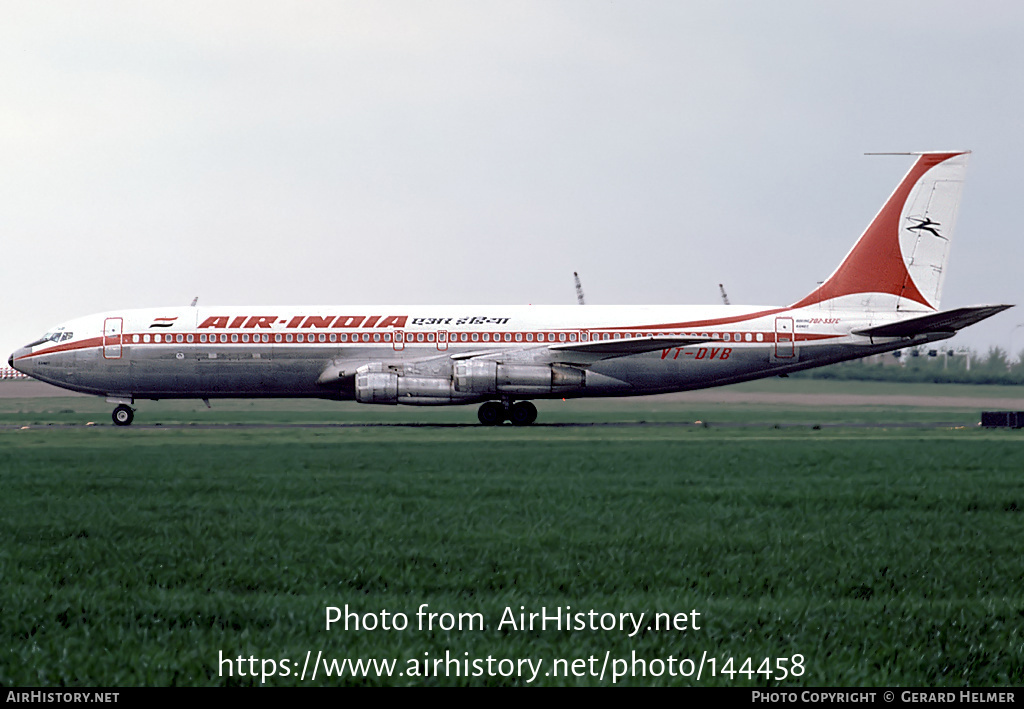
{"x": 493, "y": 413}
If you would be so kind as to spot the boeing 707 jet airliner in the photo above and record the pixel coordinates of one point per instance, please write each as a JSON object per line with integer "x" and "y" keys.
{"x": 883, "y": 296}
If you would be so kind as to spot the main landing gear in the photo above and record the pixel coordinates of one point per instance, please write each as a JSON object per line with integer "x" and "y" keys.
{"x": 493, "y": 413}
{"x": 123, "y": 415}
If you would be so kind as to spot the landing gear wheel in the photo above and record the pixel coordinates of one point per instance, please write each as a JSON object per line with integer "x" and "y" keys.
{"x": 123, "y": 415}
{"x": 491, "y": 413}
{"x": 522, "y": 413}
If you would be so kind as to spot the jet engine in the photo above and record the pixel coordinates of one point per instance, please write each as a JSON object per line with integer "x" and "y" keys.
{"x": 472, "y": 380}
{"x": 376, "y": 385}
{"x": 488, "y": 377}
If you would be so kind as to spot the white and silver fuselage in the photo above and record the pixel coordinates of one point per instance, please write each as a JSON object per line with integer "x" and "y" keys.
{"x": 316, "y": 351}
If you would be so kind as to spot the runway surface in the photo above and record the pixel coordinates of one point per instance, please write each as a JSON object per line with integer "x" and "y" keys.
{"x": 30, "y": 389}
{"x": 1014, "y": 401}
{"x": 606, "y": 424}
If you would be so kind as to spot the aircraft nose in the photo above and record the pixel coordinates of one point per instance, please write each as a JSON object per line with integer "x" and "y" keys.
{"x": 17, "y": 354}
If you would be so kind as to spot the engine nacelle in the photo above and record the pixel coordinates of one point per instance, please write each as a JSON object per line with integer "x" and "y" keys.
{"x": 485, "y": 377}
{"x": 375, "y": 386}
{"x": 473, "y": 380}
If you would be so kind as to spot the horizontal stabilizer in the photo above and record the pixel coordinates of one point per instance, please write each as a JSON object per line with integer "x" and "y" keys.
{"x": 632, "y": 345}
{"x": 948, "y": 321}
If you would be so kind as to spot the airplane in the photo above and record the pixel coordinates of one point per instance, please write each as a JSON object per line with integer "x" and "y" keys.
{"x": 883, "y": 296}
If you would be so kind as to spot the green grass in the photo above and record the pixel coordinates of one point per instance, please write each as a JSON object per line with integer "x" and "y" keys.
{"x": 882, "y": 557}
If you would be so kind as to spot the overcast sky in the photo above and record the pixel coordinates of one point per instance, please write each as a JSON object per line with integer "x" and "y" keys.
{"x": 480, "y": 152}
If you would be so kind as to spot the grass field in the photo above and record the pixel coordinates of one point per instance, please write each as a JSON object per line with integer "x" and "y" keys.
{"x": 144, "y": 556}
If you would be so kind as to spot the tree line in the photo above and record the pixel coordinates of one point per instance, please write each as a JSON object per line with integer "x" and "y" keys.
{"x": 928, "y": 363}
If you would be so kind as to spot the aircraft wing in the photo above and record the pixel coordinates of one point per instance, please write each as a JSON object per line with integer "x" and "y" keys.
{"x": 600, "y": 349}
{"x": 605, "y": 349}
{"x": 948, "y": 321}
{"x": 585, "y": 353}
{"x": 574, "y": 353}
{"x": 432, "y": 365}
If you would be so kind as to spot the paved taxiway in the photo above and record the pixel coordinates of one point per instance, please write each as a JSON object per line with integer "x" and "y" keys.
{"x": 32, "y": 389}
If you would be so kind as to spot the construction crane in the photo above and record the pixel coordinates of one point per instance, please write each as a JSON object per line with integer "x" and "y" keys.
{"x": 579, "y": 288}
{"x": 725, "y": 298}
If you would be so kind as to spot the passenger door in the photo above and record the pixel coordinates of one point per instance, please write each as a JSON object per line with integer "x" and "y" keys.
{"x": 112, "y": 329}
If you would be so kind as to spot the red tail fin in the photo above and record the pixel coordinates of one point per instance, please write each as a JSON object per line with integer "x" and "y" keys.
{"x": 899, "y": 261}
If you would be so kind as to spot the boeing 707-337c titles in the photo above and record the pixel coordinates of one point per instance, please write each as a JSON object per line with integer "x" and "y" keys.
{"x": 883, "y": 296}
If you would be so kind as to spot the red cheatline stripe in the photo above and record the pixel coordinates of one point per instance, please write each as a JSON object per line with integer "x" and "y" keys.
{"x": 114, "y": 341}
{"x": 79, "y": 345}
{"x": 691, "y": 324}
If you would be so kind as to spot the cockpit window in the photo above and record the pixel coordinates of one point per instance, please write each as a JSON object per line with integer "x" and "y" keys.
{"x": 58, "y": 336}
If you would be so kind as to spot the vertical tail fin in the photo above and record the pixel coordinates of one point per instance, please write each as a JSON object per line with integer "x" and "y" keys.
{"x": 899, "y": 262}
